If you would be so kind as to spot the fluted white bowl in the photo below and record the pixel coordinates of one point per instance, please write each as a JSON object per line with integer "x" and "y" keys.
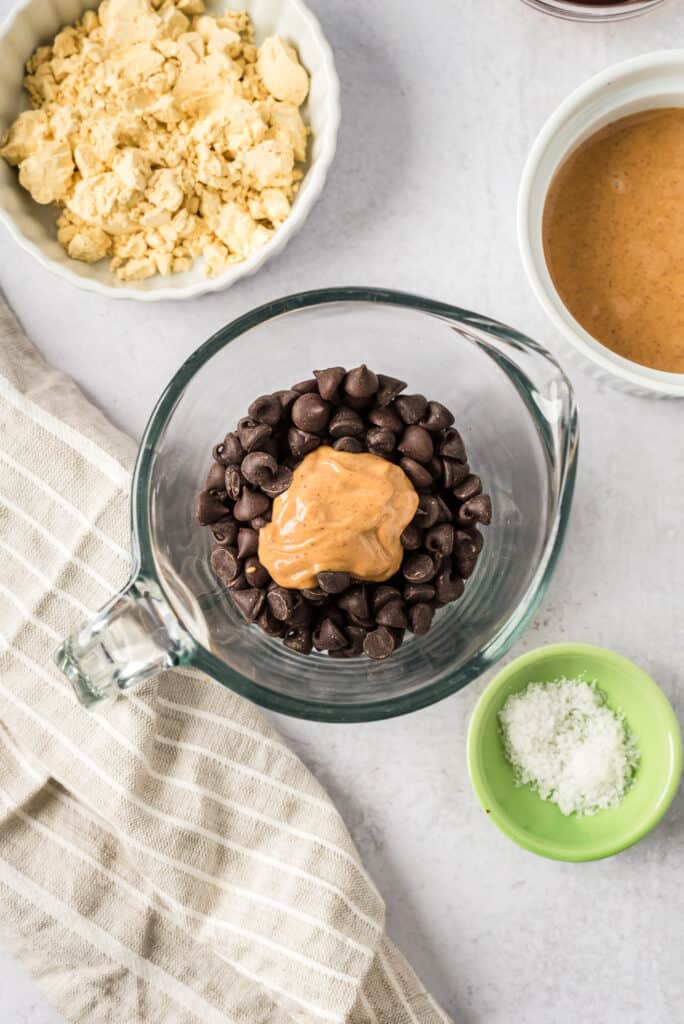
{"x": 35, "y": 22}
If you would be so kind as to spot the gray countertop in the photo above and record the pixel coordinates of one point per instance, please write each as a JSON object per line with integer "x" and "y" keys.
{"x": 441, "y": 102}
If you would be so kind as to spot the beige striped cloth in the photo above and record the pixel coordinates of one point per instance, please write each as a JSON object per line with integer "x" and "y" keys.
{"x": 167, "y": 859}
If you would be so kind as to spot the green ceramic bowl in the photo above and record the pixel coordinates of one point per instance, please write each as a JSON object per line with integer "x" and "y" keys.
{"x": 538, "y": 825}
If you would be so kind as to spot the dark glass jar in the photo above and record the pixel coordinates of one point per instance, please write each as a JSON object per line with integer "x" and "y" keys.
{"x": 594, "y": 10}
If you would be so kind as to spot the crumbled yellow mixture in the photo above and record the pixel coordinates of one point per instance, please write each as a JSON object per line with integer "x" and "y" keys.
{"x": 164, "y": 134}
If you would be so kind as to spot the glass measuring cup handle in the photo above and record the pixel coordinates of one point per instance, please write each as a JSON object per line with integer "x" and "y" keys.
{"x": 135, "y": 636}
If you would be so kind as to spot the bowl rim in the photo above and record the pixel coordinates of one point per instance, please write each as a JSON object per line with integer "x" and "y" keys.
{"x": 315, "y": 178}
{"x": 201, "y": 658}
{"x": 487, "y": 798}
{"x": 644, "y": 378}
{"x": 568, "y": 10}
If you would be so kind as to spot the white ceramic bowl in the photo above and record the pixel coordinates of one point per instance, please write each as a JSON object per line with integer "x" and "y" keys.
{"x": 34, "y": 22}
{"x": 643, "y": 83}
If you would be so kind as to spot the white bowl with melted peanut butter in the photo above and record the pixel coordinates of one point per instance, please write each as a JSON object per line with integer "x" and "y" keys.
{"x": 603, "y": 273}
{"x": 189, "y": 155}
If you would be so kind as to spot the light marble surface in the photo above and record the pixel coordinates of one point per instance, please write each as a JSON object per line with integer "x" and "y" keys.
{"x": 441, "y": 103}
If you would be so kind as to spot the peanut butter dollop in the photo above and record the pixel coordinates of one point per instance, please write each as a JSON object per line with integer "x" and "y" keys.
{"x": 343, "y": 512}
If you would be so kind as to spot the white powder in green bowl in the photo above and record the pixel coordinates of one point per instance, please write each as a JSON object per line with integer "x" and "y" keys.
{"x": 565, "y": 742}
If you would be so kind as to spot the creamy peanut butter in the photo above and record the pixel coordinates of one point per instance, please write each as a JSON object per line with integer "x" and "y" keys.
{"x": 343, "y": 512}
{"x": 613, "y": 235}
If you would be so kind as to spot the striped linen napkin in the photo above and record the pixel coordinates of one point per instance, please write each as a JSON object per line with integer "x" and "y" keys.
{"x": 167, "y": 859}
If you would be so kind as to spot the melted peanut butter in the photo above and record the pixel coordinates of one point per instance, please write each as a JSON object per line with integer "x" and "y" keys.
{"x": 614, "y": 237}
{"x": 343, "y": 512}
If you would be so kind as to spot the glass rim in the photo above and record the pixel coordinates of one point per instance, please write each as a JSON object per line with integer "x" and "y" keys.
{"x": 203, "y": 659}
{"x": 569, "y": 10}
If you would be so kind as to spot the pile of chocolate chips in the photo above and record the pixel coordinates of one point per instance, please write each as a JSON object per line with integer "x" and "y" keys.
{"x": 354, "y": 411}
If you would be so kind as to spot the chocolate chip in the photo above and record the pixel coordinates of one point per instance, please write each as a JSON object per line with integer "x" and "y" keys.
{"x": 454, "y": 472}
{"x": 420, "y": 618}
{"x": 448, "y": 586}
{"x": 416, "y": 443}
{"x": 255, "y": 574}
{"x": 445, "y": 513}
{"x": 279, "y": 483}
{"x": 258, "y": 468}
{"x": 476, "y": 510}
{"x": 386, "y": 417}
{"x": 358, "y": 620}
{"x": 250, "y": 602}
{"x": 346, "y": 423}
{"x": 252, "y": 433}
{"x": 270, "y": 626}
{"x": 328, "y": 636}
{"x": 359, "y": 404}
{"x": 225, "y": 564}
{"x": 435, "y": 467}
{"x": 209, "y": 508}
{"x": 380, "y": 441}
{"x": 299, "y": 640}
{"x": 466, "y": 544}
{"x": 333, "y": 582}
{"x": 355, "y": 636}
{"x": 301, "y": 443}
{"x": 230, "y": 451}
{"x": 233, "y": 481}
{"x": 302, "y": 614}
{"x": 468, "y": 488}
{"x": 452, "y": 446}
{"x": 348, "y": 444}
{"x": 311, "y": 413}
{"x": 383, "y": 595}
{"x": 418, "y": 568}
{"x": 314, "y": 595}
{"x": 412, "y": 538}
{"x": 286, "y": 398}
{"x": 239, "y": 583}
{"x": 418, "y": 475}
{"x": 225, "y": 532}
{"x": 465, "y": 564}
{"x": 415, "y": 593}
{"x": 216, "y": 478}
{"x": 354, "y": 601}
{"x": 392, "y": 614}
{"x": 272, "y": 446}
{"x": 398, "y": 635}
{"x": 266, "y": 409}
{"x": 440, "y": 539}
{"x": 428, "y": 511}
{"x": 477, "y": 538}
{"x": 411, "y": 408}
{"x": 259, "y": 522}
{"x": 379, "y": 644}
{"x": 283, "y": 602}
{"x": 438, "y": 417}
{"x": 305, "y": 387}
{"x": 361, "y": 382}
{"x": 247, "y": 542}
{"x": 329, "y": 381}
{"x": 388, "y": 389}
{"x": 335, "y": 614}
{"x": 250, "y": 504}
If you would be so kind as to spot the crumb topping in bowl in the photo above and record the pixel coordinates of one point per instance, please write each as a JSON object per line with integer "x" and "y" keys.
{"x": 164, "y": 134}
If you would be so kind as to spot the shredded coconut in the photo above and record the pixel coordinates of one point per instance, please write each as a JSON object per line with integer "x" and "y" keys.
{"x": 565, "y": 742}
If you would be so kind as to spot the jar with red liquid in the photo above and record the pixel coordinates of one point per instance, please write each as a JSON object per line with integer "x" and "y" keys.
{"x": 594, "y": 10}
